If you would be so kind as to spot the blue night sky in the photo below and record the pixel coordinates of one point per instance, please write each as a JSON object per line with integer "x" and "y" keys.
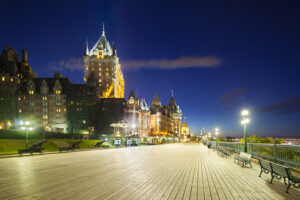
{"x": 218, "y": 56}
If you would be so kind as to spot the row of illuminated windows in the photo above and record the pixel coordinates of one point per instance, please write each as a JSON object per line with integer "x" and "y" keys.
{"x": 11, "y": 79}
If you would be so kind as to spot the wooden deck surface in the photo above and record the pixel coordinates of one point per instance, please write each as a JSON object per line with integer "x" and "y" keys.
{"x": 175, "y": 171}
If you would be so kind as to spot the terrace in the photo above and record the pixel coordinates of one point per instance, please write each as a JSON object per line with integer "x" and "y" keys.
{"x": 173, "y": 171}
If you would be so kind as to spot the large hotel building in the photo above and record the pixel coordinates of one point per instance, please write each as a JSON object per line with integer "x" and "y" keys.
{"x": 57, "y": 105}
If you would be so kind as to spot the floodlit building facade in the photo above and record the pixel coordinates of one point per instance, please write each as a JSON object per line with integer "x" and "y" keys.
{"x": 157, "y": 120}
{"x": 101, "y": 65}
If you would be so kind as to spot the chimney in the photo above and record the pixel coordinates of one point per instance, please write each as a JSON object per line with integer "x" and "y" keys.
{"x": 24, "y": 56}
{"x": 57, "y": 75}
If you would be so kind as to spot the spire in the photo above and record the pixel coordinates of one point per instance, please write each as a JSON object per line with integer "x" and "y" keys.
{"x": 103, "y": 30}
{"x": 86, "y": 47}
{"x": 156, "y": 100}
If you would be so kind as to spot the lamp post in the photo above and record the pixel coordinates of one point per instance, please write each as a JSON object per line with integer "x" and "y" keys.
{"x": 26, "y": 127}
{"x": 217, "y": 133}
{"x": 245, "y": 121}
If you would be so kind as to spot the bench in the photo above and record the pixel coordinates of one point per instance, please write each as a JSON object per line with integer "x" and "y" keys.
{"x": 264, "y": 167}
{"x": 279, "y": 171}
{"x": 245, "y": 158}
{"x": 223, "y": 151}
{"x": 35, "y": 148}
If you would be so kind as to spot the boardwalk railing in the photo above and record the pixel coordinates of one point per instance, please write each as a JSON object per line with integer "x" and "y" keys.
{"x": 288, "y": 155}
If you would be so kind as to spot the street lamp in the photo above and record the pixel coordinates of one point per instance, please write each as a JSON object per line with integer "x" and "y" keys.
{"x": 26, "y": 126}
{"x": 245, "y": 121}
{"x": 217, "y": 133}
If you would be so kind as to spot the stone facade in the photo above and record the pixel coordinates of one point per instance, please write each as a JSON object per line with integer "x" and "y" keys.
{"x": 156, "y": 120}
{"x": 102, "y": 68}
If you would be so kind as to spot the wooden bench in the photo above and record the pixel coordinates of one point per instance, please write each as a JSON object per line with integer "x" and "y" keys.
{"x": 279, "y": 172}
{"x": 223, "y": 151}
{"x": 264, "y": 167}
{"x": 245, "y": 158}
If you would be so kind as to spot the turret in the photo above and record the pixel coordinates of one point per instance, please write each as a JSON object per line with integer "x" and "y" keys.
{"x": 24, "y": 56}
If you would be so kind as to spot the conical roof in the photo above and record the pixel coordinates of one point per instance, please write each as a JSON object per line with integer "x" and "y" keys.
{"x": 92, "y": 78}
{"x": 156, "y": 99}
{"x": 132, "y": 95}
{"x": 102, "y": 44}
{"x": 173, "y": 107}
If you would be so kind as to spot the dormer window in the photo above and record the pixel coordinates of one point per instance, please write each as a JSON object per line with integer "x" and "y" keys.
{"x": 57, "y": 92}
{"x": 131, "y": 101}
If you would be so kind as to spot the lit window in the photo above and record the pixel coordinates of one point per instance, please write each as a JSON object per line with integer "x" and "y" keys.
{"x": 19, "y": 98}
{"x": 11, "y": 79}
{"x": 106, "y": 68}
{"x": 20, "y": 110}
{"x": 57, "y": 92}
{"x": 3, "y": 78}
{"x": 31, "y": 92}
{"x": 106, "y": 74}
{"x": 58, "y": 110}
{"x": 72, "y": 102}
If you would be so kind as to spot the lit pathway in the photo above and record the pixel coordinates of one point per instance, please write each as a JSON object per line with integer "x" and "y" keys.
{"x": 177, "y": 171}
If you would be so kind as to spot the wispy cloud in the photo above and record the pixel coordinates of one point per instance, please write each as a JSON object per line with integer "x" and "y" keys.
{"x": 232, "y": 97}
{"x": 68, "y": 64}
{"x": 285, "y": 107}
{"x": 182, "y": 62}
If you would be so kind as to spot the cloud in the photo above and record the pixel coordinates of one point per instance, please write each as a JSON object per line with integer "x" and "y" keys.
{"x": 232, "y": 97}
{"x": 69, "y": 64}
{"x": 285, "y": 107}
{"x": 182, "y": 62}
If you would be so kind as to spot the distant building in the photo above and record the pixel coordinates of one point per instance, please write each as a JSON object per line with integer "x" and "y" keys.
{"x": 157, "y": 120}
{"x": 102, "y": 68}
{"x": 185, "y": 131}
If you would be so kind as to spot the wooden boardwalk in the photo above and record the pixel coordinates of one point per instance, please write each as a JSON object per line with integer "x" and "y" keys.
{"x": 175, "y": 171}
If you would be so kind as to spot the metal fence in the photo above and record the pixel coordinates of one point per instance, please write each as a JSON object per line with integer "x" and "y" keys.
{"x": 288, "y": 155}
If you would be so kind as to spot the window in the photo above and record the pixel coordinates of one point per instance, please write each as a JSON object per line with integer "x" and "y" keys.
{"x": 57, "y": 91}
{"x": 19, "y": 98}
{"x": 45, "y": 116}
{"x": 44, "y": 98}
{"x": 31, "y": 92}
{"x": 71, "y": 102}
{"x": 11, "y": 79}
{"x": 3, "y": 78}
{"x": 20, "y": 111}
{"x": 58, "y": 110}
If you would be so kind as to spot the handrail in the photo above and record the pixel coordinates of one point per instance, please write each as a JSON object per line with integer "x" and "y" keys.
{"x": 288, "y": 155}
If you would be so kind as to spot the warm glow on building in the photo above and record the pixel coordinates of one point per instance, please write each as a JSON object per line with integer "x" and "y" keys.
{"x": 103, "y": 70}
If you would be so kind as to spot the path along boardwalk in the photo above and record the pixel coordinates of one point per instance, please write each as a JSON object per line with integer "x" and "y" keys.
{"x": 174, "y": 171}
